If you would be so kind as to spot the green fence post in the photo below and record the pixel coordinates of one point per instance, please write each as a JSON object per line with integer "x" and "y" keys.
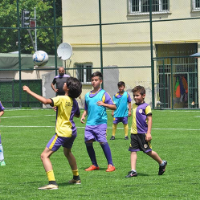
{"x": 152, "y": 62}
{"x": 100, "y": 35}
{"x": 19, "y": 54}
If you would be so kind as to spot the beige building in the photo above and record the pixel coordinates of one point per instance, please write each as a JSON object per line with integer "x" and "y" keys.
{"x": 126, "y": 43}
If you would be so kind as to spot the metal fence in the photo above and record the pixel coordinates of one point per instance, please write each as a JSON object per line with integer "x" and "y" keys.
{"x": 145, "y": 43}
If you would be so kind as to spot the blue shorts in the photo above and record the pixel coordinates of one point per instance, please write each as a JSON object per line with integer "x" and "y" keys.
{"x": 96, "y": 133}
{"x": 124, "y": 120}
{"x": 56, "y": 142}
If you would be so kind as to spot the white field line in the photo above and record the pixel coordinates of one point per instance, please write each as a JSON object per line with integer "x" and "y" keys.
{"x": 170, "y": 129}
{"x": 27, "y": 116}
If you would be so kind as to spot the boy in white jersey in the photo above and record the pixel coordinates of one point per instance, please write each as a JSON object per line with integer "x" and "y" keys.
{"x": 65, "y": 132}
{"x": 96, "y": 103}
{"x": 141, "y": 132}
{"x": 122, "y": 100}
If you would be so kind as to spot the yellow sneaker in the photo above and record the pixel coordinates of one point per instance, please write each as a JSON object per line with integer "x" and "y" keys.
{"x": 49, "y": 187}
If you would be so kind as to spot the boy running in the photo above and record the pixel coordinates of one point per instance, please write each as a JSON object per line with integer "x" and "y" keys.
{"x": 122, "y": 100}
{"x": 96, "y": 103}
{"x": 65, "y": 131}
{"x": 141, "y": 132}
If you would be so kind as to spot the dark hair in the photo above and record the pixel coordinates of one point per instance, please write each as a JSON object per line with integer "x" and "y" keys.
{"x": 121, "y": 83}
{"x": 74, "y": 86}
{"x": 139, "y": 89}
{"x": 97, "y": 73}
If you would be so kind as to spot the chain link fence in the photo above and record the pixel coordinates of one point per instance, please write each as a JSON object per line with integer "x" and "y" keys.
{"x": 146, "y": 43}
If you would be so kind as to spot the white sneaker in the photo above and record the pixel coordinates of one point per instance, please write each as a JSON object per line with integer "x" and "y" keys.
{"x": 2, "y": 163}
{"x": 49, "y": 187}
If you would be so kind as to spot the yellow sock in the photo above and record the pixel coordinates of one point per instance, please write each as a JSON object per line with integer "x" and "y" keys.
{"x": 75, "y": 172}
{"x": 50, "y": 175}
{"x": 114, "y": 127}
{"x": 126, "y": 129}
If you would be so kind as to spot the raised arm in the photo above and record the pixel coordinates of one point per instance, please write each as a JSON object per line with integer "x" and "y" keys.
{"x": 36, "y": 96}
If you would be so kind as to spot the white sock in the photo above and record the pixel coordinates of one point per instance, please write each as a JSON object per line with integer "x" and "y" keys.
{"x": 1, "y": 153}
{"x": 162, "y": 164}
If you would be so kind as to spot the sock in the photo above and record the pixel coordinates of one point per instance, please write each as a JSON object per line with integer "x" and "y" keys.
{"x": 114, "y": 127}
{"x": 51, "y": 177}
{"x": 107, "y": 152}
{"x": 91, "y": 153}
{"x": 133, "y": 170}
{"x": 162, "y": 164}
{"x": 126, "y": 129}
{"x": 1, "y": 153}
{"x": 75, "y": 172}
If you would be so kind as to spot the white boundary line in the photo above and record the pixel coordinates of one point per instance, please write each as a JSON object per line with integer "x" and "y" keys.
{"x": 166, "y": 129}
{"x": 27, "y": 116}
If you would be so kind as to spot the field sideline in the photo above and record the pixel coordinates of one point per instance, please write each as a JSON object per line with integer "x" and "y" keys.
{"x": 26, "y": 132}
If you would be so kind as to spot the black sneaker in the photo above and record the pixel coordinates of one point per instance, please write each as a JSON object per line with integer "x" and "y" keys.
{"x": 131, "y": 174}
{"x": 162, "y": 168}
{"x": 112, "y": 138}
{"x": 126, "y": 137}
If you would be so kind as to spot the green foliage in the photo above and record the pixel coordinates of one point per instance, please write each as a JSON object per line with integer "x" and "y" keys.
{"x": 25, "y": 134}
{"x": 45, "y": 18}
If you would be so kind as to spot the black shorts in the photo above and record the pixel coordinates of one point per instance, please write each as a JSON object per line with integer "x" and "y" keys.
{"x": 138, "y": 143}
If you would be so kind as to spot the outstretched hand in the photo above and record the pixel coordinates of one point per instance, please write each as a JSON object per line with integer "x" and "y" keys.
{"x": 26, "y": 88}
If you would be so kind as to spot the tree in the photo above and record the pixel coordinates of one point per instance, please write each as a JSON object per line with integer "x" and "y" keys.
{"x": 45, "y": 24}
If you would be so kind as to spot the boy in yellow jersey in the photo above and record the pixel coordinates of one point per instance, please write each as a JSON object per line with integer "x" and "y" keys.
{"x": 65, "y": 131}
{"x": 141, "y": 132}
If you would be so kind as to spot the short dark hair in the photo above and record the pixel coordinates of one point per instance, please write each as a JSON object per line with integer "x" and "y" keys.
{"x": 97, "y": 73}
{"x": 139, "y": 89}
{"x": 74, "y": 86}
{"x": 121, "y": 83}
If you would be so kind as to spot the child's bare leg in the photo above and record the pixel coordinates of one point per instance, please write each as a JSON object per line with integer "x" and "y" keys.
{"x": 133, "y": 172}
{"x": 72, "y": 162}
{"x": 155, "y": 156}
{"x": 133, "y": 160}
{"x": 45, "y": 157}
{"x": 71, "y": 159}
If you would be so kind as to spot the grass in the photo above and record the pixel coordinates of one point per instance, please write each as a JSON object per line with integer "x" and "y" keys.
{"x": 25, "y": 134}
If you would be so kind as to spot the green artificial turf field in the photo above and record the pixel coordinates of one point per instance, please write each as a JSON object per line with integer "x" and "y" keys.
{"x": 25, "y": 134}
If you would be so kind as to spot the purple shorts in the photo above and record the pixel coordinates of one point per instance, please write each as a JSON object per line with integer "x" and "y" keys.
{"x": 56, "y": 142}
{"x": 97, "y": 133}
{"x": 124, "y": 120}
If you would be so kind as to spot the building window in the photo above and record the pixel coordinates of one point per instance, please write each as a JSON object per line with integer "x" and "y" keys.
{"x": 142, "y": 6}
{"x": 83, "y": 72}
{"x": 195, "y": 4}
